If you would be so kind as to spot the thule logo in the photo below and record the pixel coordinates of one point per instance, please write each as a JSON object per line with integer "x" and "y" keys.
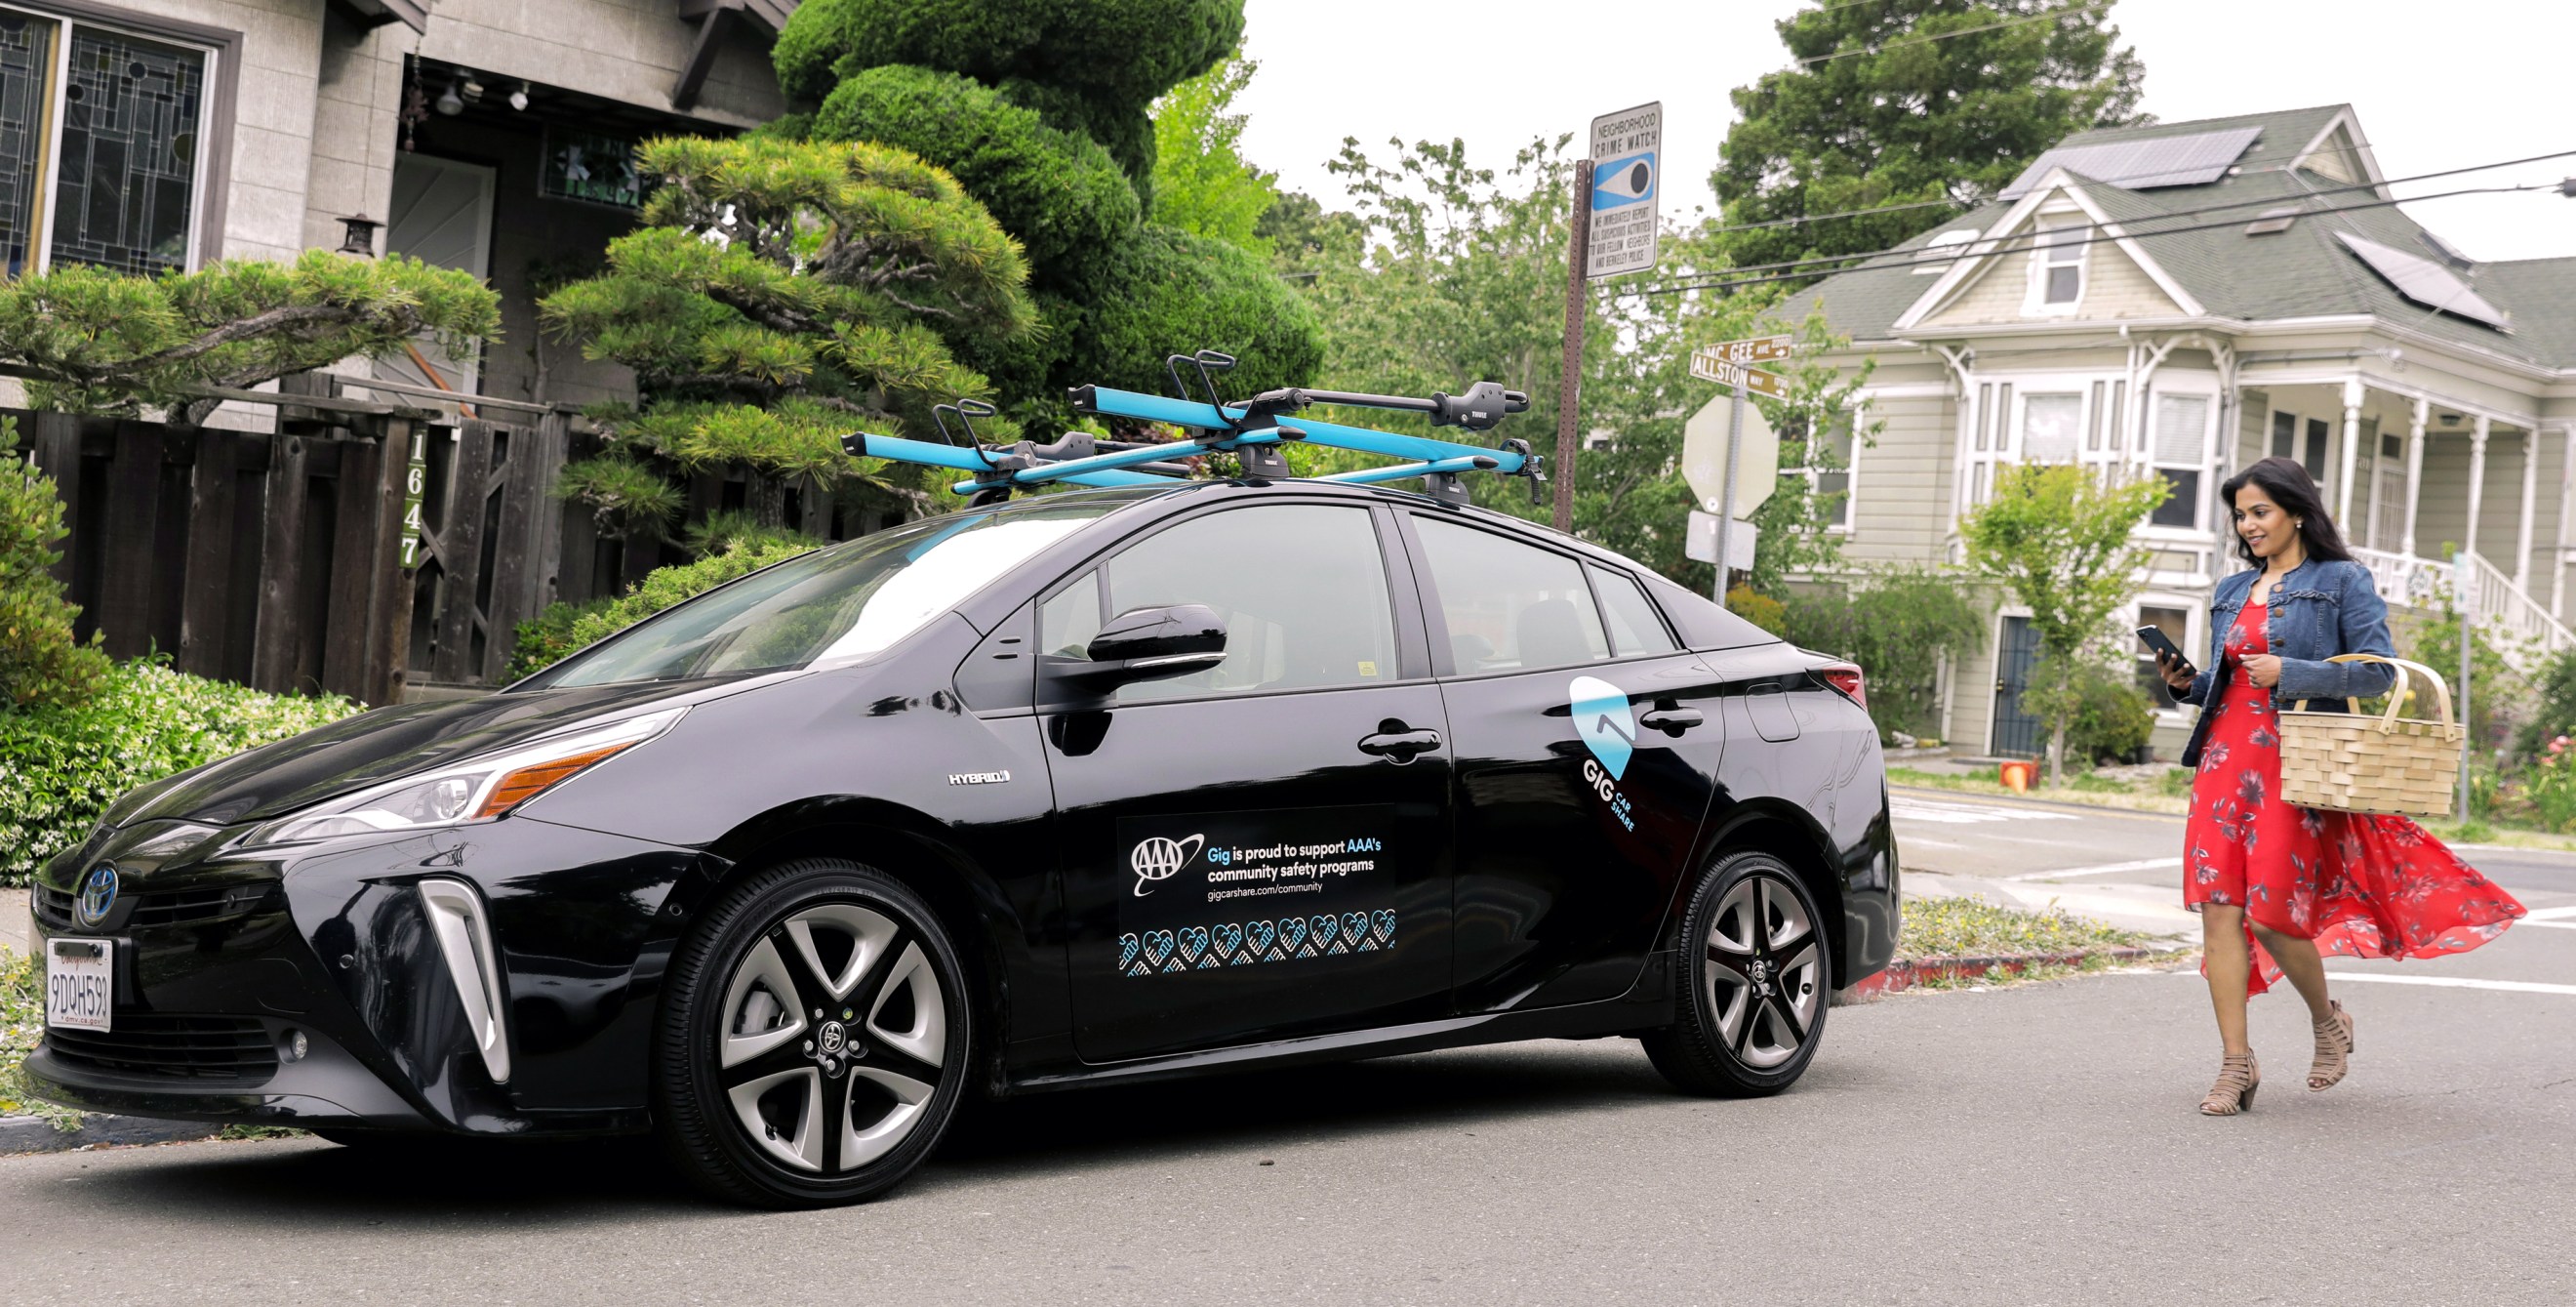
{"x": 978, "y": 777}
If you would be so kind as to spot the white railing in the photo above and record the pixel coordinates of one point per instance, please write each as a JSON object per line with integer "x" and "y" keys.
{"x": 2523, "y": 629}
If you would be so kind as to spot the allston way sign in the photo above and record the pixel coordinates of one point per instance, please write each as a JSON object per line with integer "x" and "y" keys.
{"x": 1742, "y": 378}
{"x": 1627, "y": 154}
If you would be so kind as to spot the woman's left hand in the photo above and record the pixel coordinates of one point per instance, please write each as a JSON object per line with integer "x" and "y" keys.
{"x": 2262, "y": 669}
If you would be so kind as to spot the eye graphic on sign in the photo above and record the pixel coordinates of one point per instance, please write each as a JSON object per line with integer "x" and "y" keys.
{"x": 1602, "y": 718}
{"x": 1619, "y": 182}
{"x": 1161, "y": 859}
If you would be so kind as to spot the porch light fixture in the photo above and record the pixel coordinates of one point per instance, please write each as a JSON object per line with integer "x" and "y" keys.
{"x": 519, "y": 98}
{"x": 360, "y": 236}
{"x": 473, "y": 89}
{"x": 452, "y": 100}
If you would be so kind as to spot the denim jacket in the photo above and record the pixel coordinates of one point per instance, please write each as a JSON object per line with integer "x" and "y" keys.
{"x": 2319, "y": 610}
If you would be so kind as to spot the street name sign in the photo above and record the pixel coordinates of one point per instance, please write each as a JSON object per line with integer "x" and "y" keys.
{"x": 1627, "y": 175}
{"x": 1754, "y": 349}
{"x": 1723, "y": 373}
{"x": 1704, "y": 459}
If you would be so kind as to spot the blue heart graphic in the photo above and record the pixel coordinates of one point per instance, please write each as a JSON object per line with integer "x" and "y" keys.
{"x": 1354, "y": 926}
{"x": 1292, "y": 932}
{"x": 1158, "y": 946}
{"x": 1227, "y": 937}
{"x": 1324, "y": 928}
{"x": 1602, "y": 718}
{"x": 1261, "y": 933}
{"x": 1194, "y": 940}
{"x": 1127, "y": 947}
{"x": 1385, "y": 923}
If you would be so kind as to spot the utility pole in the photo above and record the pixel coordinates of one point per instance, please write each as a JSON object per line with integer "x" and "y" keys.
{"x": 1569, "y": 391}
{"x": 2464, "y": 587}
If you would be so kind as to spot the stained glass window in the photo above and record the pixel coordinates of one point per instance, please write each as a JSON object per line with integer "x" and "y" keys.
{"x": 26, "y": 116}
{"x": 130, "y": 126}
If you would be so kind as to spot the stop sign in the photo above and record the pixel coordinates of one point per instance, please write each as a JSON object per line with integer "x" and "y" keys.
{"x": 1704, "y": 457}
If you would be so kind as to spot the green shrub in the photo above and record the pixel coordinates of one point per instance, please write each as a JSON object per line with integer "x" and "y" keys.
{"x": 2553, "y": 703}
{"x": 1060, "y": 193}
{"x": 2550, "y": 784}
{"x": 1117, "y": 53}
{"x": 2113, "y": 718}
{"x": 1167, "y": 291}
{"x": 60, "y": 767}
{"x": 1897, "y": 624}
{"x": 40, "y": 662}
{"x": 565, "y": 629}
{"x": 1760, "y": 609}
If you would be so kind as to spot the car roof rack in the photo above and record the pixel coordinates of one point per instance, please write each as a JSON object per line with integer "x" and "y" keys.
{"x": 1250, "y": 429}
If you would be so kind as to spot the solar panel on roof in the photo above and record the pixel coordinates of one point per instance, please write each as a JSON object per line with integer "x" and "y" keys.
{"x": 2423, "y": 281}
{"x": 2193, "y": 160}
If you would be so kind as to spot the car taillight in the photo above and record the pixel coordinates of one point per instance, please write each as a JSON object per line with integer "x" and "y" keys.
{"x": 1846, "y": 678}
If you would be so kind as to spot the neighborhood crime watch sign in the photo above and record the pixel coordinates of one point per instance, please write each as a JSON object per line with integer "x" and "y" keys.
{"x": 1627, "y": 173}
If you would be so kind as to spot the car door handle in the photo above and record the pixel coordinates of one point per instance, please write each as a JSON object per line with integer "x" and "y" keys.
{"x": 1671, "y": 721}
{"x": 1400, "y": 746}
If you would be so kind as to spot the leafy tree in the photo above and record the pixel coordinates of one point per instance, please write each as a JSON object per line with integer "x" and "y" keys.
{"x": 1795, "y": 526}
{"x": 1933, "y": 104}
{"x": 1041, "y": 109}
{"x": 1202, "y": 184}
{"x": 40, "y": 663}
{"x": 111, "y": 343}
{"x": 777, "y": 294}
{"x": 2058, "y": 538}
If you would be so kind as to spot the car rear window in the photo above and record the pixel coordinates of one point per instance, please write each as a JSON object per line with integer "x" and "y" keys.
{"x": 1704, "y": 625}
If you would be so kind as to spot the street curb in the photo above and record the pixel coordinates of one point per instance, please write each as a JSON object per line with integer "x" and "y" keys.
{"x": 1907, "y": 973}
{"x": 35, "y": 1134}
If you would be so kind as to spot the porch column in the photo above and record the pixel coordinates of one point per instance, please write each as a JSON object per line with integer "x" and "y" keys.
{"x": 2414, "y": 471}
{"x": 2477, "y": 481}
{"x": 2566, "y": 507}
{"x": 2530, "y": 492}
{"x": 2351, "y": 453}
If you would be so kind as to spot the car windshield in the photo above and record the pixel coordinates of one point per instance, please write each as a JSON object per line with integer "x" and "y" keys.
{"x": 833, "y": 603}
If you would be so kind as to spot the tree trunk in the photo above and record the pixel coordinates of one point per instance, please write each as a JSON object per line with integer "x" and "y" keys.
{"x": 766, "y": 499}
{"x": 2057, "y": 752}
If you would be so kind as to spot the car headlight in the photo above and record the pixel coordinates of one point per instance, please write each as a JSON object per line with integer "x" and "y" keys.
{"x": 477, "y": 789}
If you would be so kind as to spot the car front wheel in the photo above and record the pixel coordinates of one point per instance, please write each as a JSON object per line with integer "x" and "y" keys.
{"x": 1759, "y": 974}
{"x": 813, "y": 1038}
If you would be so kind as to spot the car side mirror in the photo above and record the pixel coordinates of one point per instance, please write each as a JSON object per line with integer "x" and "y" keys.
{"x": 1148, "y": 644}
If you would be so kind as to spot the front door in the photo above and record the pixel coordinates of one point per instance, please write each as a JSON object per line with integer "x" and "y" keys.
{"x": 442, "y": 216}
{"x": 1259, "y": 850}
{"x": 2016, "y": 732}
{"x": 1586, "y": 740}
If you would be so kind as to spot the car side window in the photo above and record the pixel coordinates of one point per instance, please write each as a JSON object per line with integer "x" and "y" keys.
{"x": 1302, "y": 589}
{"x": 1509, "y": 606}
{"x": 1635, "y": 630}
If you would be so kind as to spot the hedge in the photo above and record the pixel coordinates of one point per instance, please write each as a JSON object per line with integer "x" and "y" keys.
{"x": 566, "y": 629}
{"x": 61, "y": 767}
{"x": 1119, "y": 53}
{"x": 1171, "y": 292}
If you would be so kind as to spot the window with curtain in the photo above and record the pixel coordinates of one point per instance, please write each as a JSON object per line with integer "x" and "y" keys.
{"x": 2048, "y": 427}
{"x": 100, "y": 135}
{"x": 2179, "y": 450}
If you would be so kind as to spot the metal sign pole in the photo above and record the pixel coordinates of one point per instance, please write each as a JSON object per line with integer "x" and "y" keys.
{"x": 1569, "y": 393}
{"x": 1726, "y": 505}
{"x": 2464, "y": 584}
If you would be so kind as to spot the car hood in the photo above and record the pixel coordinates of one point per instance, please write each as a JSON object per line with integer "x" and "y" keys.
{"x": 390, "y": 742}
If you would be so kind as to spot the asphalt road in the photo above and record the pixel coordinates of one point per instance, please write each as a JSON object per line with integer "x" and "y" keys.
{"x": 2034, "y": 1144}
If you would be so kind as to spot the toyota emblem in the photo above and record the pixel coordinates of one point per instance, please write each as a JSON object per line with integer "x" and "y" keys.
{"x": 97, "y": 895}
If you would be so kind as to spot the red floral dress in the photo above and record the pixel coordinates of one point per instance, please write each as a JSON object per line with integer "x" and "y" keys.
{"x": 2359, "y": 885}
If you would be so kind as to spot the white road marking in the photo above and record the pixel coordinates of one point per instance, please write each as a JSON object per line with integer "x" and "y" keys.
{"x": 2454, "y": 982}
{"x": 2550, "y": 914}
{"x": 2547, "y": 925}
{"x": 2106, "y": 869}
{"x": 1961, "y": 814}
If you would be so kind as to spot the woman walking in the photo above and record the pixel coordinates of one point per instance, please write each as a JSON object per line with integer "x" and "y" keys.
{"x": 2279, "y": 886}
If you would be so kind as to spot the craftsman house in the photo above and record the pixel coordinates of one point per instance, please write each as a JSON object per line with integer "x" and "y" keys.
{"x": 2180, "y": 300}
{"x": 493, "y": 136}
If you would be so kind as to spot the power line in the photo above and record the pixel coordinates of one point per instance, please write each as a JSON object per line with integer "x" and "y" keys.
{"x": 1817, "y": 260}
{"x": 1945, "y": 257}
{"x": 1883, "y": 47}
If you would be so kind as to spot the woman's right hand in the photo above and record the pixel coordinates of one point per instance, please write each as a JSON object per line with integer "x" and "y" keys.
{"x": 2178, "y": 675}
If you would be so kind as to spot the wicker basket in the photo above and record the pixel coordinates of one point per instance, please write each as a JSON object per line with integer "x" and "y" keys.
{"x": 2350, "y": 763}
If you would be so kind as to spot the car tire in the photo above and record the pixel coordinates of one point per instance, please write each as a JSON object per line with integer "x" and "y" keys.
{"x": 837, "y": 1098}
{"x": 1757, "y": 971}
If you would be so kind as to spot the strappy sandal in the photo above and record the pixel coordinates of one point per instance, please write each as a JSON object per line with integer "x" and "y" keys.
{"x": 2238, "y": 1078}
{"x": 2334, "y": 1049}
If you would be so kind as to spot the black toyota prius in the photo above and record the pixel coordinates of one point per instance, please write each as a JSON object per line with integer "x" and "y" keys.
{"x": 1097, "y": 787}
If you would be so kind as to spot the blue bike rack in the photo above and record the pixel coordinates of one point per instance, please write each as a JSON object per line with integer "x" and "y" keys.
{"x": 1250, "y": 429}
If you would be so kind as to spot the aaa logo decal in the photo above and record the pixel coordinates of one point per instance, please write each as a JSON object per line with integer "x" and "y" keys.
{"x": 1161, "y": 859}
{"x": 1602, "y": 718}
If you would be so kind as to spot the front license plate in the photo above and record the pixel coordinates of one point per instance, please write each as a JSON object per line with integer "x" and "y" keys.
{"x": 80, "y": 980}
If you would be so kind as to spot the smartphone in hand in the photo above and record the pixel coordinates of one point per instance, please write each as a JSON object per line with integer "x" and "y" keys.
{"x": 2157, "y": 643}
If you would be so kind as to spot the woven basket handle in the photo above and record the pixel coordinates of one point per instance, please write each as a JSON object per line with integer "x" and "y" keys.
{"x": 2397, "y": 692}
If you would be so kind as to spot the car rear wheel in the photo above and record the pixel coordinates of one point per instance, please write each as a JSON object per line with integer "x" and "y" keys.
{"x": 813, "y": 1038}
{"x": 1759, "y": 972}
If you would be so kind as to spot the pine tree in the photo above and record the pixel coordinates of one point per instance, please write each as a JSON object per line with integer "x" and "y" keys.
{"x": 1920, "y": 109}
{"x": 778, "y": 295}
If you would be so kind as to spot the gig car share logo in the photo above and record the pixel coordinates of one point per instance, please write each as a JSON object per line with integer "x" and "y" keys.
{"x": 1607, "y": 727}
{"x": 1161, "y": 859}
{"x": 97, "y": 895}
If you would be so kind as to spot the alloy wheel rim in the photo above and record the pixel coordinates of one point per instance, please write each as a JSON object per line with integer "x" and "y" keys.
{"x": 1764, "y": 977}
{"x": 834, "y": 1038}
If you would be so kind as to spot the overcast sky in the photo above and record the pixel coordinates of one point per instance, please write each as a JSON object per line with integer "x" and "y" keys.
{"x": 2436, "y": 86}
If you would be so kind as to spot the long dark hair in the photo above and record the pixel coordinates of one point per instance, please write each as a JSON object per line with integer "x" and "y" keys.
{"x": 2288, "y": 485}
